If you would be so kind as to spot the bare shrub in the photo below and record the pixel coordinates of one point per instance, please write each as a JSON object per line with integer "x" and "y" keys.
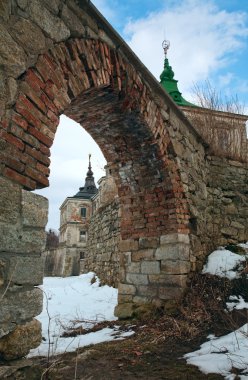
{"x": 207, "y": 96}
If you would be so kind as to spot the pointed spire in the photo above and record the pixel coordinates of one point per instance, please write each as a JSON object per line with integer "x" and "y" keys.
{"x": 90, "y": 172}
{"x": 168, "y": 82}
{"x": 89, "y": 189}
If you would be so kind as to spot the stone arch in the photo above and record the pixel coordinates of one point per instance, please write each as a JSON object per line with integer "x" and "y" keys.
{"x": 89, "y": 77}
{"x": 113, "y": 104}
{"x": 94, "y": 85}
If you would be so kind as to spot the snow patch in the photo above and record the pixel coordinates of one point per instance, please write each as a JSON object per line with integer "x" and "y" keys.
{"x": 74, "y": 301}
{"x": 224, "y": 263}
{"x": 220, "y": 355}
{"x": 238, "y": 304}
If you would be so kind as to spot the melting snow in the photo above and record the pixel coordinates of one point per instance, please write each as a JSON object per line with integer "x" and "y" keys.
{"x": 67, "y": 302}
{"x": 224, "y": 263}
{"x": 220, "y": 355}
{"x": 238, "y": 303}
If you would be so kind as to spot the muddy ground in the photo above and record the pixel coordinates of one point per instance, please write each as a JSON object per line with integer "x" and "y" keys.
{"x": 133, "y": 358}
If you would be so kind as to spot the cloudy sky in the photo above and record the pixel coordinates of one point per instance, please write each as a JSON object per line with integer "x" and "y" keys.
{"x": 209, "y": 41}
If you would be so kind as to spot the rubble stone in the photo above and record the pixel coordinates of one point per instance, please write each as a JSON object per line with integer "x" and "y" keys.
{"x": 19, "y": 342}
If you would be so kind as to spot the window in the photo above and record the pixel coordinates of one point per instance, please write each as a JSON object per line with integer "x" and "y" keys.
{"x": 82, "y": 255}
{"x": 82, "y": 235}
{"x": 83, "y": 212}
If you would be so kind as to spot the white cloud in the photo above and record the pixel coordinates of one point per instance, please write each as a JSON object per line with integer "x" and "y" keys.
{"x": 202, "y": 39}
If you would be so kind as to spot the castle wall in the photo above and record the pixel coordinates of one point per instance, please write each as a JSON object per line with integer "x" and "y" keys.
{"x": 190, "y": 151}
{"x": 224, "y": 132}
{"x": 23, "y": 216}
{"x": 227, "y": 211}
{"x": 62, "y": 262}
{"x": 102, "y": 254}
{"x": 216, "y": 191}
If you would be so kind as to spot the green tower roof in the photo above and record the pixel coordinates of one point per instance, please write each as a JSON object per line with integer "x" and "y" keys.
{"x": 169, "y": 83}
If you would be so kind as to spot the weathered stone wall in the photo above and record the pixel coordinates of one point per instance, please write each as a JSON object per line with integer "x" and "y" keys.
{"x": 224, "y": 132}
{"x": 62, "y": 261}
{"x": 190, "y": 151}
{"x": 218, "y": 203}
{"x": 153, "y": 273}
{"x": 102, "y": 254}
{"x": 219, "y": 216}
{"x": 23, "y": 216}
{"x": 227, "y": 211}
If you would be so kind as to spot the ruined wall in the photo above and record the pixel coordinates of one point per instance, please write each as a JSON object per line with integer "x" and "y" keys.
{"x": 224, "y": 132}
{"x": 222, "y": 218}
{"x": 23, "y": 216}
{"x": 216, "y": 192}
{"x": 62, "y": 261}
{"x": 219, "y": 216}
{"x": 102, "y": 254}
{"x": 189, "y": 151}
{"x": 227, "y": 211}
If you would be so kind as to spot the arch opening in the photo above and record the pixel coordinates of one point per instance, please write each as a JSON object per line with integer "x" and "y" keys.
{"x": 94, "y": 85}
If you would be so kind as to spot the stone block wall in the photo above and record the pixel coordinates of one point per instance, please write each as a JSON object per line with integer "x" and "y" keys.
{"x": 227, "y": 211}
{"x": 189, "y": 150}
{"x": 23, "y": 216}
{"x": 153, "y": 273}
{"x": 219, "y": 216}
{"x": 224, "y": 132}
{"x": 62, "y": 262}
{"x": 102, "y": 253}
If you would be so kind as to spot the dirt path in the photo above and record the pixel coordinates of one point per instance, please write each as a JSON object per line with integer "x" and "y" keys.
{"x": 115, "y": 361}
{"x": 129, "y": 359}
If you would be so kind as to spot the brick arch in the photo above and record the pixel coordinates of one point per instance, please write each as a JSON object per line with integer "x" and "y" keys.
{"x": 94, "y": 84}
